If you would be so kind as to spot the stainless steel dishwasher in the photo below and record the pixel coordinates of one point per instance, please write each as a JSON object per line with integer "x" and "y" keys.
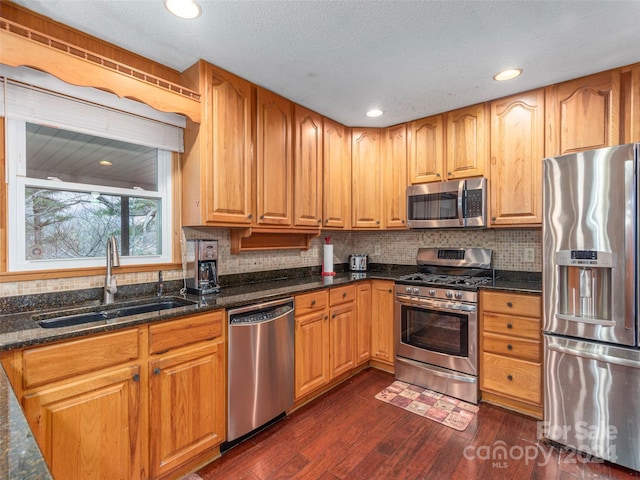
{"x": 260, "y": 366}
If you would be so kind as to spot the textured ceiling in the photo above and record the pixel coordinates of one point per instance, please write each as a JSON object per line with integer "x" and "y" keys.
{"x": 341, "y": 58}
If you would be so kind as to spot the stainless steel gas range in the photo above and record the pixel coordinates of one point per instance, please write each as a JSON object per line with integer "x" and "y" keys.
{"x": 436, "y": 320}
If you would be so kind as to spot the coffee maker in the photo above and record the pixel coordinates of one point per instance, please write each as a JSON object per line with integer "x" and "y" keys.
{"x": 202, "y": 267}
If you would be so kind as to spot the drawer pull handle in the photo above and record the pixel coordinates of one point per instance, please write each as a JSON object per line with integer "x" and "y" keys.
{"x": 509, "y": 377}
{"x": 136, "y": 377}
{"x": 509, "y": 325}
{"x": 156, "y": 371}
{"x": 313, "y": 302}
{"x": 509, "y": 347}
{"x": 509, "y": 304}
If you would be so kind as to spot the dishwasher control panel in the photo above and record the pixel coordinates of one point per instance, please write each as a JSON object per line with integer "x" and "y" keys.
{"x": 260, "y": 315}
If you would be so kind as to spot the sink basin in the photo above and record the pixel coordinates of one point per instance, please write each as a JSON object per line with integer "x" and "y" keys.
{"x": 111, "y": 313}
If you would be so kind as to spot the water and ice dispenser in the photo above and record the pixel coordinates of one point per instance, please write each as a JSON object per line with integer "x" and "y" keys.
{"x": 584, "y": 282}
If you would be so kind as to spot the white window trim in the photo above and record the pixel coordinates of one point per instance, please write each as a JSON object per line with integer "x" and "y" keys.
{"x": 16, "y": 156}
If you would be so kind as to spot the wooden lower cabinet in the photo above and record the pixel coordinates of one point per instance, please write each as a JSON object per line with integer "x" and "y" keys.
{"x": 105, "y": 407}
{"x": 342, "y": 330}
{"x": 363, "y": 322}
{"x": 90, "y": 427}
{"x": 382, "y": 298}
{"x": 511, "y": 351}
{"x": 186, "y": 414}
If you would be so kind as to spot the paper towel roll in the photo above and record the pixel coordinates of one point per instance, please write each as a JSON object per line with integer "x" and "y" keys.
{"x": 328, "y": 258}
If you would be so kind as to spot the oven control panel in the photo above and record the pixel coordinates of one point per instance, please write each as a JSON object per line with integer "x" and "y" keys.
{"x": 433, "y": 292}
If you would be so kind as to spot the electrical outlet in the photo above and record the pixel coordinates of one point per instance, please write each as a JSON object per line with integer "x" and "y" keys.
{"x": 377, "y": 250}
{"x": 529, "y": 255}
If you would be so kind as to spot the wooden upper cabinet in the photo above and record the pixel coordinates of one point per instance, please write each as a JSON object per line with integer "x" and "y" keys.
{"x": 426, "y": 150}
{"x": 583, "y": 114}
{"x": 394, "y": 175}
{"x": 337, "y": 175}
{"x": 307, "y": 167}
{"x": 467, "y": 149}
{"x": 365, "y": 179}
{"x": 274, "y": 159}
{"x": 218, "y": 163}
{"x": 517, "y": 150}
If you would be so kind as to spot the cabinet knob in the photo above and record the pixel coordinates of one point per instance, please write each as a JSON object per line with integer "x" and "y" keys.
{"x": 438, "y": 175}
{"x": 510, "y": 378}
{"x": 390, "y": 290}
{"x": 313, "y": 302}
{"x": 250, "y": 216}
{"x": 326, "y": 317}
{"x": 509, "y": 325}
{"x": 319, "y": 220}
{"x": 261, "y": 217}
{"x": 509, "y": 304}
{"x": 509, "y": 347}
{"x": 493, "y": 219}
{"x": 156, "y": 371}
{"x": 449, "y": 174}
{"x": 135, "y": 377}
{"x": 333, "y": 316}
{"x": 377, "y": 222}
{"x": 344, "y": 295}
{"x": 326, "y": 221}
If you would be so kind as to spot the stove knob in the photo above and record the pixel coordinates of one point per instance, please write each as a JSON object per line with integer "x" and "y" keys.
{"x": 458, "y": 295}
{"x": 449, "y": 294}
{"x": 416, "y": 290}
{"x": 407, "y": 289}
{"x": 432, "y": 292}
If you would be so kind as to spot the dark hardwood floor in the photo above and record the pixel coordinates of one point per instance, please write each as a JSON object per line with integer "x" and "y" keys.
{"x": 348, "y": 434}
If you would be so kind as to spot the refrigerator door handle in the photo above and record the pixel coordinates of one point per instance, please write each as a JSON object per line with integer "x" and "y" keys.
{"x": 630, "y": 201}
{"x": 599, "y": 357}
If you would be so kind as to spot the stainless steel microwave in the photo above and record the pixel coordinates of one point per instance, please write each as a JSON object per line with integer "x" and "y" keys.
{"x": 452, "y": 204}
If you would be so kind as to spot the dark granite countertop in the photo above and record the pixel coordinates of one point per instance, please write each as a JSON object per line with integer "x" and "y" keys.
{"x": 20, "y": 454}
{"x": 20, "y": 457}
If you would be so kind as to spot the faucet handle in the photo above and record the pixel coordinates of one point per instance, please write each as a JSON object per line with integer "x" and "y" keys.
{"x": 113, "y": 285}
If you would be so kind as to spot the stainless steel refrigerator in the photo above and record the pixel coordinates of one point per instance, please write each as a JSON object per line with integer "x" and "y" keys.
{"x": 590, "y": 293}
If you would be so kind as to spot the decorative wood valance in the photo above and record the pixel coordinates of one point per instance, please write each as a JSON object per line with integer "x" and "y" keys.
{"x": 22, "y": 46}
{"x": 261, "y": 238}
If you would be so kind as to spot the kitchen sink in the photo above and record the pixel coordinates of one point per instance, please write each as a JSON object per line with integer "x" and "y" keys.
{"x": 111, "y": 313}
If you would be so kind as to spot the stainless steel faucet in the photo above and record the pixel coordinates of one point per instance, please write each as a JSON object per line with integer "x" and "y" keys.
{"x": 113, "y": 260}
{"x": 160, "y": 288}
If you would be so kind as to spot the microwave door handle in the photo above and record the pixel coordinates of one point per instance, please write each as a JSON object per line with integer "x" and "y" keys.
{"x": 461, "y": 192}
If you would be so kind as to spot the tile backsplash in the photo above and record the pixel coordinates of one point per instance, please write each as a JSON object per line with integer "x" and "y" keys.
{"x": 400, "y": 248}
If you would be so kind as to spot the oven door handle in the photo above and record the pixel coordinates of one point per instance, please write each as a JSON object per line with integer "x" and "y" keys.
{"x": 437, "y": 305}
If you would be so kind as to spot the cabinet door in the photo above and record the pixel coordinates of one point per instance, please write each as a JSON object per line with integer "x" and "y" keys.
{"x": 274, "y": 159}
{"x": 311, "y": 352}
{"x": 186, "y": 401}
{"x": 365, "y": 179}
{"x": 90, "y": 428}
{"x": 583, "y": 114}
{"x": 517, "y": 149}
{"x": 382, "y": 321}
{"x": 363, "y": 323}
{"x": 227, "y": 175}
{"x": 307, "y": 168}
{"x": 426, "y": 150}
{"x": 342, "y": 343}
{"x": 467, "y": 142}
{"x": 337, "y": 175}
{"x": 394, "y": 174}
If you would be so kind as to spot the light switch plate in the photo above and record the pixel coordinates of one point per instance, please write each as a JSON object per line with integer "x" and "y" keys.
{"x": 529, "y": 255}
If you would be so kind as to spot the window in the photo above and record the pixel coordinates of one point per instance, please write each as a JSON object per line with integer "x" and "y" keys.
{"x": 74, "y": 190}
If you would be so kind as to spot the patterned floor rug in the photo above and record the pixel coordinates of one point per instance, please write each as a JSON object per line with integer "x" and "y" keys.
{"x": 435, "y": 406}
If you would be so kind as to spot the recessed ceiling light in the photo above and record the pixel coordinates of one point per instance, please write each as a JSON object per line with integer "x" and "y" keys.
{"x": 507, "y": 74}
{"x": 374, "y": 113}
{"x": 105, "y": 163}
{"x": 183, "y": 8}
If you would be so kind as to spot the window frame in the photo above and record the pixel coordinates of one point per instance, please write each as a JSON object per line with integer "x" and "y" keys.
{"x": 17, "y": 262}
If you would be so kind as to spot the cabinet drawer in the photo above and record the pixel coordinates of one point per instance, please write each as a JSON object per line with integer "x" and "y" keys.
{"x": 340, "y": 295}
{"x": 511, "y": 303}
{"x": 63, "y": 360}
{"x": 518, "y": 379}
{"x": 311, "y": 302}
{"x": 511, "y": 326}
{"x": 521, "y": 348}
{"x": 178, "y": 333}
